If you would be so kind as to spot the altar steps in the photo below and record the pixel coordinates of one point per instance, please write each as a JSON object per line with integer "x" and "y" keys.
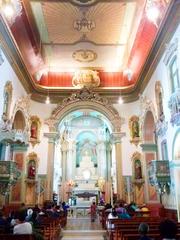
{"x": 83, "y": 235}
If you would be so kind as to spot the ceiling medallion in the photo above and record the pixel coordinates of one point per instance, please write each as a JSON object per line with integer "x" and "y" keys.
{"x": 84, "y": 55}
{"x": 83, "y": 2}
{"x": 84, "y": 25}
{"x": 86, "y": 78}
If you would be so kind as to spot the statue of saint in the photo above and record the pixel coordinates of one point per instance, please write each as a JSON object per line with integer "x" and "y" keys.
{"x": 135, "y": 129}
{"x": 32, "y": 170}
{"x": 34, "y": 130}
{"x": 137, "y": 169}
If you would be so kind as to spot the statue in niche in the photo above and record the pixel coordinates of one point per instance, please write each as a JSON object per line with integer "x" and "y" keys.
{"x": 137, "y": 169}
{"x": 6, "y": 102}
{"x": 34, "y": 129}
{"x": 31, "y": 169}
{"x": 5, "y": 124}
{"x": 134, "y": 129}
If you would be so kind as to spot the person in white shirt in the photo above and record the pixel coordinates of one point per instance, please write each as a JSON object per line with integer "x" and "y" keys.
{"x": 22, "y": 227}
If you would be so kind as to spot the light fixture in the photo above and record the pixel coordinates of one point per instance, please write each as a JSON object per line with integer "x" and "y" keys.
{"x": 47, "y": 99}
{"x": 11, "y": 9}
{"x": 128, "y": 72}
{"x": 152, "y": 11}
{"x": 120, "y": 100}
{"x": 84, "y": 25}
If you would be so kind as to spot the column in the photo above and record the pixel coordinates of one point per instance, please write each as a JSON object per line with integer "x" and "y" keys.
{"x": 116, "y": 140}
{"x": 74, "y": 159}
{"x": 108, "y": 172}
{"x": 52, "y": 137}
{"x": 64, "y": 148}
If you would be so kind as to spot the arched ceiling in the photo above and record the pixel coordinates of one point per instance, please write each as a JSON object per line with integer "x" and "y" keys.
{"x": 51, "y": 39}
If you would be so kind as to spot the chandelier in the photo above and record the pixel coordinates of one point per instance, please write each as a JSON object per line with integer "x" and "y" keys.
{"x": 11, "y": 9}
{"x": 84, "y": 25}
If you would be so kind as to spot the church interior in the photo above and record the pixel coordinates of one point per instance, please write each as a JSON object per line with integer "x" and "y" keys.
{"x": 90, "y": 112}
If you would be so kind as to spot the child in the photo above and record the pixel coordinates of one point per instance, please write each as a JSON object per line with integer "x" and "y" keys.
{"x": 93, "y": 212}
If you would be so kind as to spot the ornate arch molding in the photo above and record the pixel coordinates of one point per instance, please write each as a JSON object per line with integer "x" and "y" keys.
{"x": 23, "y": 105}
{"x": 85, "y": 98}
{"x": 146, "y": 105}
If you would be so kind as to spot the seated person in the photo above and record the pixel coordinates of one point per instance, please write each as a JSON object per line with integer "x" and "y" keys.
{"x": 22, "y": 227}
{"x": 168, "y": 229}
{"x": 143, "y": 230}
{"x": 144, "y": 209}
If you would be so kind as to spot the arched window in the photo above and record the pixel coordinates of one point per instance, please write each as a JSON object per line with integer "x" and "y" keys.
{"x": 174, "y": 74}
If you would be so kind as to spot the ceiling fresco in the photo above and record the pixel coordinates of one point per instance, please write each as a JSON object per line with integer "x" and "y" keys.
{"x": 52, "y": 40}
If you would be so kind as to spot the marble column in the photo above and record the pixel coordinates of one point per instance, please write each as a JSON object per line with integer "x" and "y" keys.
{"x": 64, "y": 148}
{"x": 102, "y": 159}
{"x": 108, "y": 172}
{"x": 52, "y": 137}
{"x": 116, "y": 140}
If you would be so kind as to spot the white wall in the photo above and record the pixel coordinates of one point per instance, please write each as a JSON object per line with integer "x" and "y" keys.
{"x": 7, "y": 74}
{"x": 43, "y": 111}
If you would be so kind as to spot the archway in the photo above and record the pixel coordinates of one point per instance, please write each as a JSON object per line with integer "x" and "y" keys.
{"x": 150, "y": 152}
{"x": 89, "y": 103}
{"x": 176, "y": 169}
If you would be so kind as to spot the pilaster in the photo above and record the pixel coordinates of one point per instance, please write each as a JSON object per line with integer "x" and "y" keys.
{"x": 52, "y": 137}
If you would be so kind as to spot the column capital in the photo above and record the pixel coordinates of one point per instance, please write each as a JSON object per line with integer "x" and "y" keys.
{"x": 52, "y": 136}
{"x": 117, "y": 136}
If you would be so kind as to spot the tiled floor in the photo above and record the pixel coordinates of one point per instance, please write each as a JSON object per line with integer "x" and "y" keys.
{"x": 83, "y": 229}
{"x": 83, "y": 224}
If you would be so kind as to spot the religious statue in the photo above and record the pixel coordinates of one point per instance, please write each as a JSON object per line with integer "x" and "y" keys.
{"x": 34, "y": 130}
{"x": 134, "y": 129}
{"x": 5, "y": 124}
{"x": 32, "y": 169}
{"x": 137, "y": 169}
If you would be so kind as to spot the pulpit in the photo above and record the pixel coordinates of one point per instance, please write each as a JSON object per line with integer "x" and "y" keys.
{"x": 9, "y": 175}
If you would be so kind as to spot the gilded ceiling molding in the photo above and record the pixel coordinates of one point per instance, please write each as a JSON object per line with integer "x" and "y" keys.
{"x": 84, "y": 2}
{"x": 84, "y": 55}
{"x": 1, "y": 57}
{"x": 85, "y": 98}
{"x": 86, "y": 78}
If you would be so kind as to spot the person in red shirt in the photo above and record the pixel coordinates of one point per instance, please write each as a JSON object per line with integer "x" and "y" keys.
{"x": 93, "y": 211}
